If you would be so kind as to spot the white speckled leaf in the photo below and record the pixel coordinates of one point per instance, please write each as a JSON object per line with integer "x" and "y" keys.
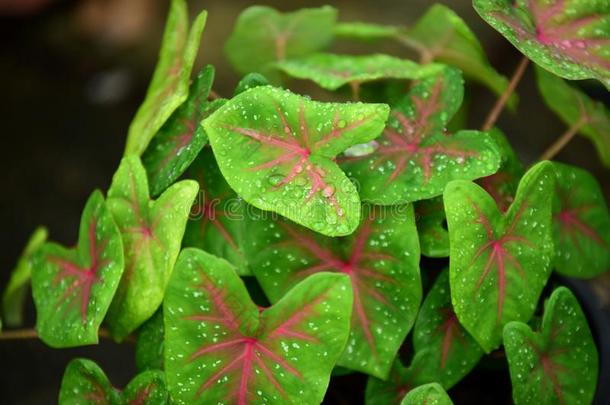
{"x": 427, "y": 394}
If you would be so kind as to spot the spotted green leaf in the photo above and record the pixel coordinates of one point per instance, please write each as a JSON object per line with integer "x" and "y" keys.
{"x": 499, "y": 262}
{"x": 262, "y": 35}
{"x": 182, "y": 137}
{"x": 427, "y": 394}
{"x": 581, "y": 224}
{"x": 73, "y": 288}
{"x": 566, "y": 37}
{"x": 229, "y": 350}
{"x": 415, "y": 157}
{"x": 151, "y": 232}
{"x": 331, "y": 71}
{"x": 401, "y": 380}
{"x": 581, "y": 113}
{"x": 216, "y": 223}
{"x": 381, "y": 259}
{"x": 169, "y": 85}
{"x": 452, "y": 352}
{"x": 557, "y": 364}
{"x": 277, "y": 149}
{"x": 84, "y": 383}
{"x": 149, "y": 346}
{"x": 13, "y": 298}
{"x": 432, "y": 227}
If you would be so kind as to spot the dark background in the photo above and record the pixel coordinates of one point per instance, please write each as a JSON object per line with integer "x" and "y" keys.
{"x": 72, "y": 74}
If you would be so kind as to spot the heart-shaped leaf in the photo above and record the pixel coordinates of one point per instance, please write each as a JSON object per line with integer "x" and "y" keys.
{"x": 216, "y": 224}
{"x": 276, "y": 150}
{"x": 503, "y": 184}
{"x": 263, "y": 35}
{"x": 231, "y": 351}
{"x": 400, "y": 381}
{"x": 432, "y": 227}
{"x": 427, "y": 394}
{"x": 331, "y": 71}
{"x": 169, "y": 85}
{"x": 582, "y": 114}
{"x": 382, "y": 261}
{"x": 558, "y": 364}
{"x": 415, "y": 157}
{"x": 151, "y": 232}
{"x": 73, "y": 288}
{"x": 566, "y": 37}
{"x": 84, "y": 382}
{"x": 499, "y": 262}
{"x": 149, "y": 346}
{"x": 452, "y": 351}
{"x": 580, "y": 224}
{"x": 13, "y": 299}
{"x": 182, "y": 137}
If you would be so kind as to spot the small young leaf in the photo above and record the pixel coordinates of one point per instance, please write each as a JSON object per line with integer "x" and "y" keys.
{"x": 427, "y": 394}
{"x": 168, "y": 88}
{"x": 276, "y": 150}
{"x": 73, "y": 288}
{"x": 84, "y": 382}
{"x": 15, "y": 293}
{"x": 590, "y": 118}
{"x": 149, "y": 346}
{"x": 382, "y": 261}
{"x": 216, "y": 223}
{"x": 262, "y": 35}
{"x": 181, "y": 138}
{"x": 566, "y": 37}
{"x": 503, "y": 184}
{"x": 415, "y": 157}
{"x": 331, "y": 71}
{"x": 558, "y": 364}
{"x": 151, "y": 232}
{"x": 452, "y": 351}
{"x": 581, "y": 224}
{"x": 232, "y": 351}
{"x": 250, "y": 81}
{"x": 366, "y": 31}
{"x": 432, "y": 227}
{"x": 400, "y": 381}
{"x": 499, "y": 263}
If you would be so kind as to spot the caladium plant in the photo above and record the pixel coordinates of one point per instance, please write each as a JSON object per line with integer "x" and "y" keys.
{"x": 267, "y": 247}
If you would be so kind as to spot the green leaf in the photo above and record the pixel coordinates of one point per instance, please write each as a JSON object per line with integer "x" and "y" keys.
{"x": 169, "y": 85}
{"x": 331, "y": 71}
{"x": 503, "y": 184}
{"x": 580, "y": 224}
{"x": 415, "y": 158}
{"x": 15, "y": 293}
{"x": 277, "y": 149}
{"x": 230, "y": 350}
{"x": 558, "y": 364}
{"x": 182, "y": 137}
{"x": 72, "y": 288}
{"x": 428, "y": 394}
{"x": 262, "y": 35}
{"x": 149, "y": 346}
{"x": 499, "y": 262}
{"x": 566, "y": 37}
{"x": 250, "y": 81}
{"x": 366, "y": 31}
{"x": 84, "y": 382}
{"x": 582, "y": 114}
{"x": 432, "y": 227}
{"x": 216, "y": 223}
{"x": 381, "y": 259}
{"x": 400, "y": 381}
{"x": 452, "y": 351}
{"x": 151, "y": 232}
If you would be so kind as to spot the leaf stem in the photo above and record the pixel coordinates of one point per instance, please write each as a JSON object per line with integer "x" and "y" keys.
{"x": 355, "y": 87}
{"x": 563, "y": 140}
{"x": 495, "y": 112}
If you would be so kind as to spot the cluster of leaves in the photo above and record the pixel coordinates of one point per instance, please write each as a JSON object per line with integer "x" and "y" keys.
{"x": 308, "y": 220}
